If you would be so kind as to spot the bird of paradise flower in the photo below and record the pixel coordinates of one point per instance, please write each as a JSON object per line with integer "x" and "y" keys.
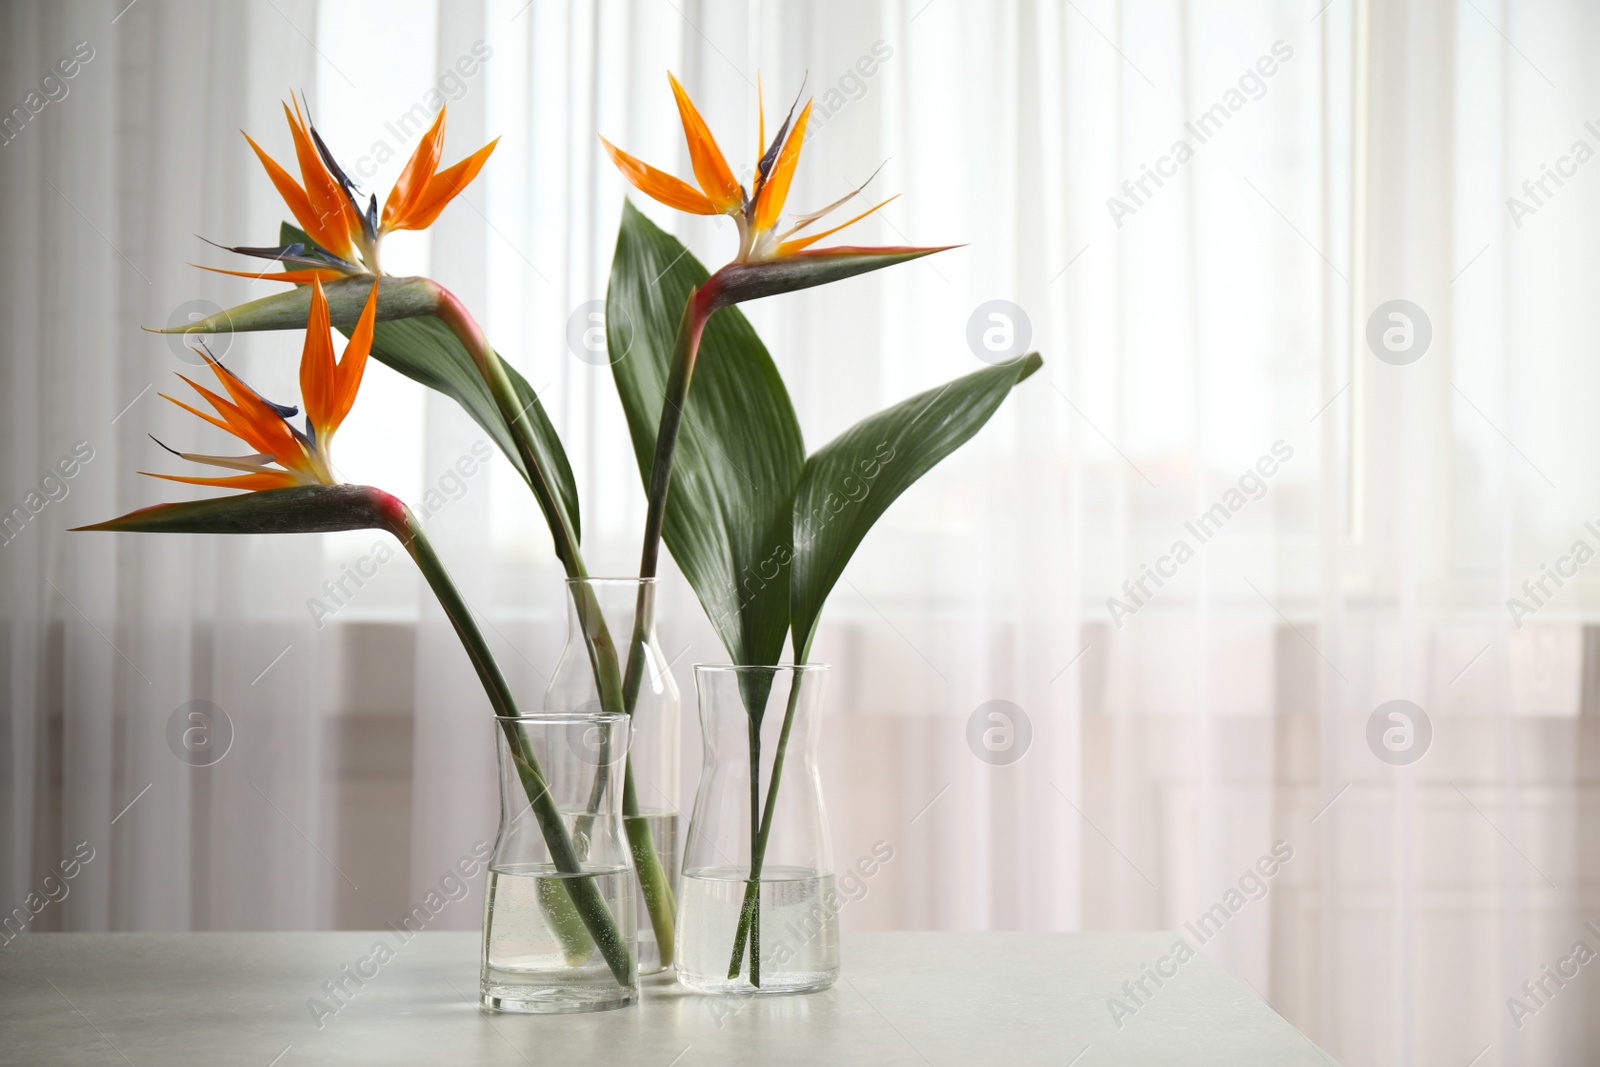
{"x": 348, "y": 238}
{"x": 774, "y": 255}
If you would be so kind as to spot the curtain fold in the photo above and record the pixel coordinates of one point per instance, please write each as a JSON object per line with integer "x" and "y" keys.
{"x": 113, "y": 641}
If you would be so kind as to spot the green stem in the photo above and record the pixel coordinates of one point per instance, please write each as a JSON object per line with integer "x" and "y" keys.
{"x": 750, "y": 913}
{"x": 603, "y": 662}
{"x": 657, "y": 889}
{"x": 702, "y": 302}
{"x": 602, "y": 652}
{"x": 652, "y": 877}
{"x": 585, "y": 894}
{"x": 455, "y": 315}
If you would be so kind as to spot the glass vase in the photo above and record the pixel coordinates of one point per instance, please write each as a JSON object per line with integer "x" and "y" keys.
{"x": 611, "y": 662}
{"x": 560, "y": 916}
{"x": 758, "y": 912}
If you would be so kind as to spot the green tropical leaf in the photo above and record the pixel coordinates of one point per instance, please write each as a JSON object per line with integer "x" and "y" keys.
{"x": 299, "y": 509}
{"x": 853, "y": 479}
{"x": 740, "y": 453}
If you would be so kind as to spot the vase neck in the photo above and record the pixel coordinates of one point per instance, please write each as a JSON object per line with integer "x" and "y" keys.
{"x": 601, "y": 614}
{"x": 617, "y": 600}
{"x": 732, "y": 697}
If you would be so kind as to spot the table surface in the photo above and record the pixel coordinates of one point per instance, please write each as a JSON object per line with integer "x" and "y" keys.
{"x": 168, "y": 1000}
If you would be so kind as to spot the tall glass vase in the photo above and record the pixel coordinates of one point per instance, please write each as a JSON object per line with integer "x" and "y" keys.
{"x": 560, "y": 919}
{"x": 758, "y": 910}
{"x": 613, "y": 661}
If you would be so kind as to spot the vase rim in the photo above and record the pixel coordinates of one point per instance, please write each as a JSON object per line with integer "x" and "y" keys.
{"x": 610, "y": 580}
{"x": 565, "y": 716}
{"x": 735, "y": 668}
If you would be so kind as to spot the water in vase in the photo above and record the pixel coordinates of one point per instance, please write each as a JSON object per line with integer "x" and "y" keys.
{"x": 664, "y": 829}
{"x": 799, "y": 930}
{"x": 533, "y": 935}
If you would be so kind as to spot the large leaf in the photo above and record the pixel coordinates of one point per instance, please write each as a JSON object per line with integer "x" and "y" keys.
{"x": 300, "y": 509}
{"x": 739, "y": 455}
{"x": 853, "y": 479}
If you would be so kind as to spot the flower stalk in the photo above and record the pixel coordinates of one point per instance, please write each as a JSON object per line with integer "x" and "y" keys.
{"x": 701, "y": 304}
{"x": 749, "y": 928}
{"x": 602, "y": 650}
{"x": 657, "y": 892}
{"x": 585, "y": 894}
{"x": 775, "y": 255}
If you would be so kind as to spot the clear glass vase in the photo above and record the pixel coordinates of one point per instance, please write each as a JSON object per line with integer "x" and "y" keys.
{"x": 758, "y": 912}
{"x": 606, "y": 649}
{"x": 560, "y": 918}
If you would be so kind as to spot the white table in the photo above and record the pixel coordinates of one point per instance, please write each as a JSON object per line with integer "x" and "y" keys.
{"x": 170, "y": 1000}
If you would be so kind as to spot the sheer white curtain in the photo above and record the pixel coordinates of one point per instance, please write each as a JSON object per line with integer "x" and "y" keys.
{"x": 107, "y": 174}
{"x": 1353, "y": 527}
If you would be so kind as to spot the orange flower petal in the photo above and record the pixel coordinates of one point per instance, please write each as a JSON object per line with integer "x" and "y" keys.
{"x": 769, "y": 203}
{"x": 353, "y": 364}
{"x": 293, "y": 196}
{"x": 253, "y": 420}
{"x": 260, "y": 416}
{"x": 212, "y": 419}
{"x": 659, "y": 185}
{"x": 761, "y": 127}
{"x": 336, "y": 216}
{"x": 316, "y": 363}
{"x": 788, "y": 248}
{"x": 266, "y": 480}
{"x": 414, "y": 179}
{"x": 233, "y": 419}
{"x": 711, "y": 169}
{"x": 443, "y": 188}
